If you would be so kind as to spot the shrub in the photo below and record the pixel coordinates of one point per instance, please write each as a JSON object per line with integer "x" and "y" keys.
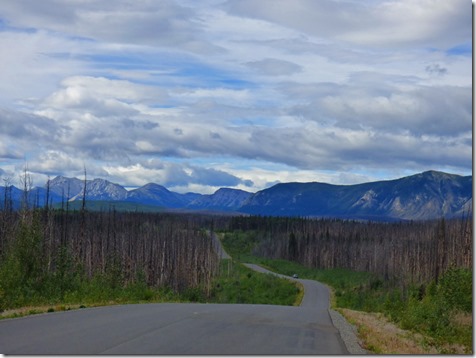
{"x": 22, "y": 270}
{"x": 456, "y": 289}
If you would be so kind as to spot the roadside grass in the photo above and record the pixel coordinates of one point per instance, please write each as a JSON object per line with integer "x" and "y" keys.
{"x": 94, "y": 293}
{"x": 31, "y": 310}
{"x": 235, "y": 284}
{"x": 239, "y": 284}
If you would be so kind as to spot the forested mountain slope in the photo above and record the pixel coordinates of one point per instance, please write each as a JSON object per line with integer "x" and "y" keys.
{"x": 422, "y": 196}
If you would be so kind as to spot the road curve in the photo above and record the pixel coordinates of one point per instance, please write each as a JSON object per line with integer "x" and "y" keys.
{"x": 170, "y": 328}
{"x": 174, "y": 328}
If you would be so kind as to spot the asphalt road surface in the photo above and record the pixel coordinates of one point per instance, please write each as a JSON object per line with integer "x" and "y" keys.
{"x": 172, "y": 329}
{"x": 180, "y": 328}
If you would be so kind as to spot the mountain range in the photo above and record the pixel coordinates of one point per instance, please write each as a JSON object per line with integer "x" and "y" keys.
{"x": 426, "y": 195}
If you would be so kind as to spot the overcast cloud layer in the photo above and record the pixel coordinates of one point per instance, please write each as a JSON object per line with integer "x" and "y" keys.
{"x": 197, "y": 95}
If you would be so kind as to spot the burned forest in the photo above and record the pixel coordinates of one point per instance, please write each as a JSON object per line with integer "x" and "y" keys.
{"x": 50, "y": 253}
{"x": 412, "y": 252}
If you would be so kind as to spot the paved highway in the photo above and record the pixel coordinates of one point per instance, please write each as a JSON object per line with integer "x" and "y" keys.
{"x": 171, "y": 328}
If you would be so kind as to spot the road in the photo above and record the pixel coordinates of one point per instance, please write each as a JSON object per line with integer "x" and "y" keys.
{"x": 180, "y": 328}
{"x": 174, "y": 328}
{"x": 219, "y": 247}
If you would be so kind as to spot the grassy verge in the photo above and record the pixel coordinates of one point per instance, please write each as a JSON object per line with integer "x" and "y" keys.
{"x": 239, "y": 284}
{"x": 93, "y": 293}
{"x": 234, "y": 284}
{"x": 381, "y": 336}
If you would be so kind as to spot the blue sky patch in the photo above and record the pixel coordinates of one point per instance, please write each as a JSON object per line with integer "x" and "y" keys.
{"x": 465, "y": 49}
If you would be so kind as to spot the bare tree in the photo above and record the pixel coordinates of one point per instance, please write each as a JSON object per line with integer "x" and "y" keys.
{"x": 83, "y": 205}
{"x": 26, "y": 182}
{"x": 7, "y": 215}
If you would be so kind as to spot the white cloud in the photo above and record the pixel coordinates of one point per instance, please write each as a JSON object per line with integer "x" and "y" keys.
{"x": 197, "y": 94}
{"x": 55, "y": 162}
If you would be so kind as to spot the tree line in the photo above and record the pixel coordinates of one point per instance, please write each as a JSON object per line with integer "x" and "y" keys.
{"x": 403, "y": 252}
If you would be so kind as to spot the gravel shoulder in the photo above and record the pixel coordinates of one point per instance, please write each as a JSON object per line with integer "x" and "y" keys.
{"x": 348, "y": 333}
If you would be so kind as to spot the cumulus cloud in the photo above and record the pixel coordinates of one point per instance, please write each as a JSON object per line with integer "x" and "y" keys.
{"x": 90, "y": 92}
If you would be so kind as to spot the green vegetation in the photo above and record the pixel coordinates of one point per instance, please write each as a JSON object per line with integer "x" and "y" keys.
{"x": 239, "y": 284}
{"x": 235, "y": 284}
{"x": 439, "y": 309}
{"x": 239, "y": 245}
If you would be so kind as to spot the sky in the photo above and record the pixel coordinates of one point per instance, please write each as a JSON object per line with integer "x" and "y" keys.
{"x": 198, "y": 95}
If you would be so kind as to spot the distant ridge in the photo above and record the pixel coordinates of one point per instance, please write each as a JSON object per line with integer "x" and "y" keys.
{"x": 427, "y": 195}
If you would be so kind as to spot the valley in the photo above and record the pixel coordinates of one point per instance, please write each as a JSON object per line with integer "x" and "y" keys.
{"x": 98, "y": 249}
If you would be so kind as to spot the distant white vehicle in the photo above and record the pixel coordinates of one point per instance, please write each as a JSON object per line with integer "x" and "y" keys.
{"x": 295, "y": 275}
